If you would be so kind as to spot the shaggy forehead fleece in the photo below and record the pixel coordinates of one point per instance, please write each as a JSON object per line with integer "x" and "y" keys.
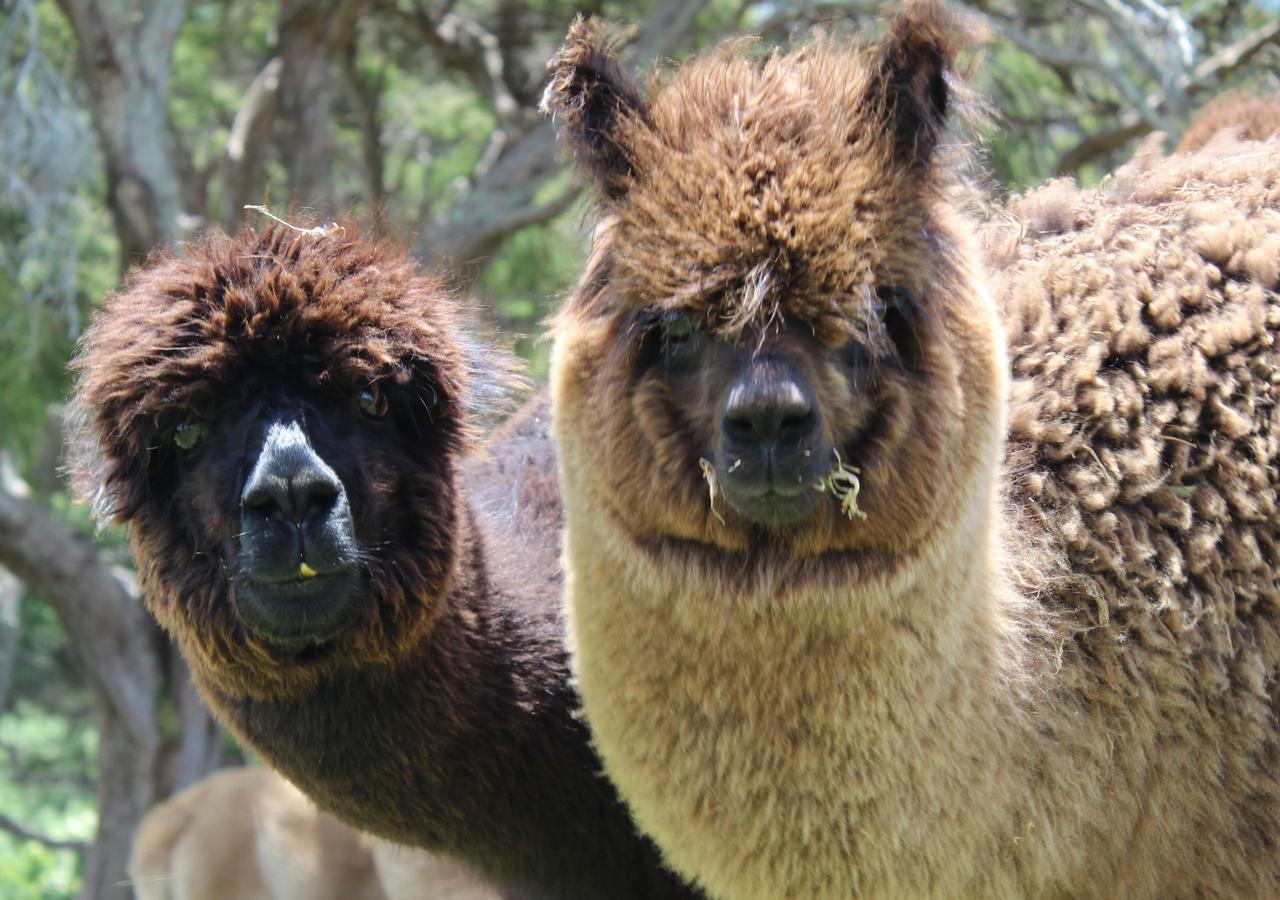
{"x": 1142, "y": 325}
{"x": 764, "y": 184}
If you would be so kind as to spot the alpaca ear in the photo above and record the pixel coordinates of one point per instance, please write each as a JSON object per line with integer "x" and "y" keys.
{"x": 590, "y": 97}
{"x": 915, "y": 82}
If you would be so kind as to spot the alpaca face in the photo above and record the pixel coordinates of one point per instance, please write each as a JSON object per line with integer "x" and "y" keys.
{"x": 771, "y": 413}
{"x": 778, "y": 343}
{"x": 277, "y": 418}
{"x": 283, "y": 518}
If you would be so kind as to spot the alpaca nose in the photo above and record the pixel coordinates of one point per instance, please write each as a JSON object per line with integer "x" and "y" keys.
{"x": 768, "y": 409}
{"x": 771, "y": 423}
{"x": 290, "y": 481}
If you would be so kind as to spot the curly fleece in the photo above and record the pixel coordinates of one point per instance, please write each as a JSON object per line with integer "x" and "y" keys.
{"x": 1142, "y": 324}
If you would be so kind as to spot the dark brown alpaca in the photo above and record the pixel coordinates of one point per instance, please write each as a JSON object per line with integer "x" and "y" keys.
{"x": 281, "y": 420}
{"x": 1031, "y": 647}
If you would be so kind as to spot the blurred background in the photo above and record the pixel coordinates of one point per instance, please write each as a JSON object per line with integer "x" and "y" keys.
{"x": 131, "y": 124}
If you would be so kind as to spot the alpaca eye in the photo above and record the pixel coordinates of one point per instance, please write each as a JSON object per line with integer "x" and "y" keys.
{"x": 373, "y": 402}
{"x": 679, "y": 331}
{"x": 899, "y": 313}
{"x": 680, "y": 324}
{"x": 188, "y": 434}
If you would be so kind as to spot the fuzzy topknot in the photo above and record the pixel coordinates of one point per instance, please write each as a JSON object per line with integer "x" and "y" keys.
{"x": 745, "y": 179}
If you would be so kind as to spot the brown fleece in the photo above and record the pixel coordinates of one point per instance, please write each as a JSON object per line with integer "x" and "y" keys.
{"x": 1046, "y": 663}
{"x": 1247, "y": 115}
{"x": 443, "y": 717}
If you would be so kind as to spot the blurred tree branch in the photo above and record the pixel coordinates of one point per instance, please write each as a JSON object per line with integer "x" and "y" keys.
{"x": 10, "y": 631}
{"x": 245, "y": 161}
{"x": 1204, "y": 77}
{"x": 26, "y": 834}
{"x": 507, "y": 194}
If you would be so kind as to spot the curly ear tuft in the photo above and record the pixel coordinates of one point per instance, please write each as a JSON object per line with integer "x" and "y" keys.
{"x": 590, "y": 96}
{"x": 916, "y": 83}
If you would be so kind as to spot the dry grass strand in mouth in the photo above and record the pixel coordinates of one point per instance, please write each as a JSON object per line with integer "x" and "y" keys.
{"x": 709, "y": 473}
{"x": 844, "y": 484}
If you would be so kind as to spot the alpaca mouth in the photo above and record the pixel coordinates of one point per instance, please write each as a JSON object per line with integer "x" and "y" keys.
{"x": 772, "y": 505}
{"x": 299, "y": 611}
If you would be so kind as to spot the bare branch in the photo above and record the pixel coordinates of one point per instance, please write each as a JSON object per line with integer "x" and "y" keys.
{"x": 1208, "y": 74}
{"x": 10, "y": 631}
{"x": 245, "y": 161}
{"x": 504, "y": 198}
{"x": 1130, "y": 126}
{"x": 26, "y": 834}
{"x": 1227, "y": 60}
{"x": 106, "y": 623}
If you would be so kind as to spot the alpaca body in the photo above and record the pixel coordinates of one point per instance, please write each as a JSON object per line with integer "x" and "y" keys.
{"x": 284, "y": 421}
{"x": 1249, "y": 116}
{"x": 247, "y": 834}
{"x": 1038, "y": 655}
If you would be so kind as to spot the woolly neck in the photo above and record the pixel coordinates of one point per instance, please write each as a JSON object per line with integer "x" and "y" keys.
{"x": 469, "y": 746}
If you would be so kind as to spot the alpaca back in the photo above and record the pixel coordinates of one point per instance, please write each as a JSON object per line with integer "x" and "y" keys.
{"x": 1250, "y": 116}
{"x": 247, "y": 834}
{"x": 1142, "y": 322}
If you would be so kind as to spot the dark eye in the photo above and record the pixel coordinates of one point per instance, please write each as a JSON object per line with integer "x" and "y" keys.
{"x": 188, "y": 434}
{"x": 901, "y": 317}
{"x": 373, "y": 402}
{"x": 680, "y": 331}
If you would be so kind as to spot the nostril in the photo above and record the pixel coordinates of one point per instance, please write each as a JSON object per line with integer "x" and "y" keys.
{"x": 265, "y": 496}
{"x": 739, "y": 428}
{"x": 316, "y": 496}
{"x": 795, "y": 429}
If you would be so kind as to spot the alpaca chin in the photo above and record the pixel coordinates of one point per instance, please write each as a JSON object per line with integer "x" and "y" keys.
{"x": 301, "y": 613}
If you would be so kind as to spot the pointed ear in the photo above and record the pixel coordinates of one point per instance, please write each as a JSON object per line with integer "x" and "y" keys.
{"x": 915, "y": 82}
{"x": 590, "y": 97}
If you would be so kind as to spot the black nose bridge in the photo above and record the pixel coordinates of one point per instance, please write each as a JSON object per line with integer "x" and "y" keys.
{"x": 768, "y": 400}
{"x": 290, "y": 478}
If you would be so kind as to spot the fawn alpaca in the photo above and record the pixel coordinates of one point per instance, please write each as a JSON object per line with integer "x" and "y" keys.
{"x": 855, "y": 613}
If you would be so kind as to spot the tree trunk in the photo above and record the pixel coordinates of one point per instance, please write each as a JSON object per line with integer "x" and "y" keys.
{"x": 126, "y": 790}
{"x": 126, "y": 54}
{"x": 309, "y": 34}
{"x": 246, "y": 159}
{"x": 121, "y": 650}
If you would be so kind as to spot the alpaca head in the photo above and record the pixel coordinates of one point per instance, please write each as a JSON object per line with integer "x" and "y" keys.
{"x": 276, "y": 416}
{"x": 778, "y": 296}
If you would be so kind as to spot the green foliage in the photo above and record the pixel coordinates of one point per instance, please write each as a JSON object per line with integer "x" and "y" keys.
{"x": 48, "y": 763}
{"x": 535, "y": 268}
